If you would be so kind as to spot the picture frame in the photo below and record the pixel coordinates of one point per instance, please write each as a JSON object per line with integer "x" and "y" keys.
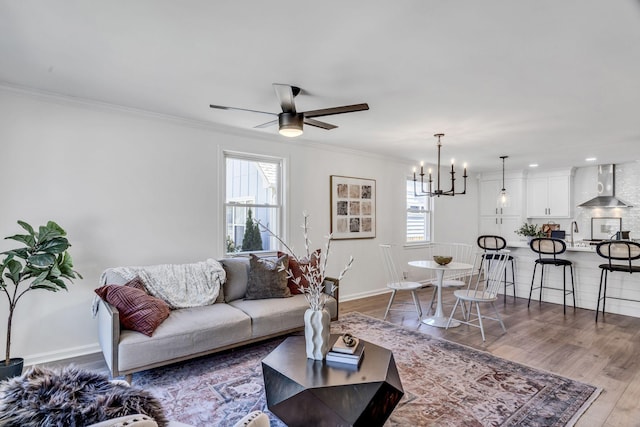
{"x": 353, "y": 207}
{"x": 605, "y": 228}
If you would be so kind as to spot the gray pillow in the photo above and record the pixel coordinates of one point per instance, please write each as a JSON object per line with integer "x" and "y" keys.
{"x": 237, "y": 269}
{"x": 267, "y": 279}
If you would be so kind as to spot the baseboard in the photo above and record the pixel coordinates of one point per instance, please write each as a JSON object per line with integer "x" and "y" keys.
{"x": 56, "y": 356}
{"x": 361, "y": 295}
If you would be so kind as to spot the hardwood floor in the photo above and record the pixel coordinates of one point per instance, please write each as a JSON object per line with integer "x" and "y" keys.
{"x": 603, "y": 354}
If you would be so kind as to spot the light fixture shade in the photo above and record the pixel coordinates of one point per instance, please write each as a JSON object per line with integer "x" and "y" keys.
{"x": 504, "y": 199}
{"x": 290, "y": 124}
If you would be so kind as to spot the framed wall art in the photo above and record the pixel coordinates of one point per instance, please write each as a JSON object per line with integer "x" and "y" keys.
{"x": 353, "y": 207}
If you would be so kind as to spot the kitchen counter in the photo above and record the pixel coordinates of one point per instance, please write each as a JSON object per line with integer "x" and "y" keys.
{"x": 587, "y": 280}
{"x": 578, "y": 247}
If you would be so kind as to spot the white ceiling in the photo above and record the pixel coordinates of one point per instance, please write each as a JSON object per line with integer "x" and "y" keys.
{"x": 545, "y": 81}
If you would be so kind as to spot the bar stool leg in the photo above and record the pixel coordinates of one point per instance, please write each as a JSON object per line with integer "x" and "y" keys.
{"x": 533, "y": 279}
{"x": 541, "y": 282}
{"x": 513, "y": 277}
{"x": 573, "y": 290}
{"x": 599, "y": 293}
{"x": 564, "y": 289}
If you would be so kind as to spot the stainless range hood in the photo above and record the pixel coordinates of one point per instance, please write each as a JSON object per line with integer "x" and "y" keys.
{"x": 606, "y": 190}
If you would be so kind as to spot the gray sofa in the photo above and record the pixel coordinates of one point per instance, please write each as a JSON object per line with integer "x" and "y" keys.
{"x": 230, "y": 322}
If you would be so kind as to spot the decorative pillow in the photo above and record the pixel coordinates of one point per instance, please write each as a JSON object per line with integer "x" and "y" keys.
{"x": 237, "y": 269}
{"x": 298, "y": 268}
{"x": 138, "y": 310}
{"x": 268, "y": 278}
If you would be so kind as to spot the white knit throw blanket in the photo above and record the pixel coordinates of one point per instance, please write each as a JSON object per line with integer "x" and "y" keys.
{"x": 180, "y": 285}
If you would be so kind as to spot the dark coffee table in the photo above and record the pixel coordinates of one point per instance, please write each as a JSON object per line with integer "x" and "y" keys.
{"x": 305, "y": 392}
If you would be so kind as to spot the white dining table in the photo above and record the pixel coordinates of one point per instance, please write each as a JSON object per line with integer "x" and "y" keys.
{"x": 439, "y": 319}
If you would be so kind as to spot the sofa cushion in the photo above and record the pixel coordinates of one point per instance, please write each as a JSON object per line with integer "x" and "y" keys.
{"x": 268, "y": 278}
{"x": 187, "y": 332}
{"x": 298, "y": 268}
{"x": 138, "y": 311}
{"x": 272, "y": 316}
{"x": 237, "y": 269}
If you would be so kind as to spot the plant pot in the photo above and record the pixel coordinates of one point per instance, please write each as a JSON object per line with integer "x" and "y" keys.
{"x": 317, "y": 332}
{"x": 13, "y": 369}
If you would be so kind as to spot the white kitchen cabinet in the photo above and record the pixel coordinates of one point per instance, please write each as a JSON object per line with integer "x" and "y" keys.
{"x": 493, "y": 219}
{"x": 500, "y": 225}
{"x": 489, "y": 190}
{"x": 549, "y": 196}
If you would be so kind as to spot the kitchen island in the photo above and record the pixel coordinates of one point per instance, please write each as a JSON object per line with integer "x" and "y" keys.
{"x": 587, "y": 280}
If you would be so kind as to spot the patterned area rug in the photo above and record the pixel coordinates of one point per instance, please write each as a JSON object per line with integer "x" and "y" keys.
{"x": 445, "y": 384}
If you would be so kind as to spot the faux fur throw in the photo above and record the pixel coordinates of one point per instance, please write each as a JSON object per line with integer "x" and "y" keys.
{"x": 70, "y": 397}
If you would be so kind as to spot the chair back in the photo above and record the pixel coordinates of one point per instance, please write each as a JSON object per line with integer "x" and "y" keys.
{"x": 617, "y": 250}
{"x": 460, "y": 252}
{"x": 491, "y": 243}
{"x": 390, "y": 269}
{"x": 548, "y": 246}
{"x": 488, "y": 284}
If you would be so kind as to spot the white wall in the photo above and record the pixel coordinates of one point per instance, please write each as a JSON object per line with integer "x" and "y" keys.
{"x": 133, "y": 188}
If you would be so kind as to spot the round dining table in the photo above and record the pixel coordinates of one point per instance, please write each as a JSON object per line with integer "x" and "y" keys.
{"x": 439, "y": 319}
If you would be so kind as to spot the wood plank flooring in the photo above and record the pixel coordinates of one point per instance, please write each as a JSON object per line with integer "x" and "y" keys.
{"x": 603, "y": 354}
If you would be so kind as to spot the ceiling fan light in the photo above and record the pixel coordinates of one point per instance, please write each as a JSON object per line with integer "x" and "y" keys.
{"x": 290, "y": 124}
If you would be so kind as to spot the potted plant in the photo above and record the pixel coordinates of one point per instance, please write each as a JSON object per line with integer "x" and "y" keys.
{"x": 530, "y": 231}
{"x": 43, "y": 263}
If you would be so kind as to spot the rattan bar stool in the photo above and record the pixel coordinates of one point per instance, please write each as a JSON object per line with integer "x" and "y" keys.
{"x": 491, "y": 245}
{"x": 616, "y": 250}
{"x": 554, "y": 247}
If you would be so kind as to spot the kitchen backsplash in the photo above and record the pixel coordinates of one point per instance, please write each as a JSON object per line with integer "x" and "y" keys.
{"x": 627, "y": 188}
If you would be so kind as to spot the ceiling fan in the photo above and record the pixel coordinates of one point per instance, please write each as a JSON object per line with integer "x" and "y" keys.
{"x": 290, "y": 121}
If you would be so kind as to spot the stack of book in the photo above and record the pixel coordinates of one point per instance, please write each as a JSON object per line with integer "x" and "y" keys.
{"x": 341, "y": 354}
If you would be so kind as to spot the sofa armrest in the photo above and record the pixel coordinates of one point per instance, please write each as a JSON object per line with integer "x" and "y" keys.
{"x": 331, "y": 288}
{"x": 109, "y": 334}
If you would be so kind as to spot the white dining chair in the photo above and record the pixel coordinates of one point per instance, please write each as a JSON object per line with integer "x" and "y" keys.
{"x": 460, "y": 252}
{"x": 396, "y": 283}
{"x": 482, "y": 290}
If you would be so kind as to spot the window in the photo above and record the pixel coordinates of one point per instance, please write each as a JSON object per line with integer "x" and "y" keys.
{"x": 252, "y": 192}
{"x": 418, "y": 216}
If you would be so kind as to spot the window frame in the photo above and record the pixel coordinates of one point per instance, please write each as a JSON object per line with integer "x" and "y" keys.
{"x": 428, "y": 210}
{"x": 279, "y": 206}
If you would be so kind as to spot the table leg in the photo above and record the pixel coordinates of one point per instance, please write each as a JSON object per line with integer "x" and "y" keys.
{"x": 439, "y": 319}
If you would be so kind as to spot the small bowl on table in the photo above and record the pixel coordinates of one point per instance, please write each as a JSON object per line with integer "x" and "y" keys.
{"x": 442, "y": 259}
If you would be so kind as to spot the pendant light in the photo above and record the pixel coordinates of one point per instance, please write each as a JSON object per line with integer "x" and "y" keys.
{"x": 504, "y": 200}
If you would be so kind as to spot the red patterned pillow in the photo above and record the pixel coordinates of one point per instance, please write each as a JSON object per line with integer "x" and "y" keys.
{"x": 298, "y": 270}
{"x": 138, "y": 310}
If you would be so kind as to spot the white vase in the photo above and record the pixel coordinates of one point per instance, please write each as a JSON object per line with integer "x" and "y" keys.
{"x": 317, "y": 332}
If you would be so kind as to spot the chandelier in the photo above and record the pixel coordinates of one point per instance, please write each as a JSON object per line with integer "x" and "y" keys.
{"x": 438, "y": 191}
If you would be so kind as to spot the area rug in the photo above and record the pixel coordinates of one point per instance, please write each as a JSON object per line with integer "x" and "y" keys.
{"x": 445, "y": 384}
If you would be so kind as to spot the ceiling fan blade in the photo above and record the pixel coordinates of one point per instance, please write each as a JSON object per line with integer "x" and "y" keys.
{"x": 319, "y": 124}
{"x": 285, "y": 96}
{"x": 336, "y": 110}
{"x": 222, "y": 107}
{"x": 266, "y": 125}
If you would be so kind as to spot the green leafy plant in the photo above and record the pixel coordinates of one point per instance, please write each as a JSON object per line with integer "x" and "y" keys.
{"x": 530, "y": 230}
{"x": 43, "y": 263}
